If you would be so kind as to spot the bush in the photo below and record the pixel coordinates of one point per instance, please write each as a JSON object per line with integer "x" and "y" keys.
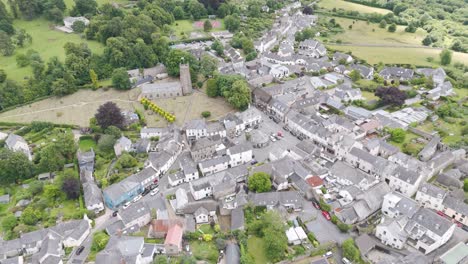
{"x": 206, "y": 114}
{"x": 343, "y": 227}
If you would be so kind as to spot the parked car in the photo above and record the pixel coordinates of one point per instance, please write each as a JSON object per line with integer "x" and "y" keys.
{"x": 256, "y": 127}
{"x": 273, "y": 139}
{"x": 346, "y": 261}
{"x": 329, "y": 254}
{"x": 126, "y": 205}
{"x": 153, "y": 186}
{"x": 146, "y": 191}
{"x": 253, "y": 162}
{"x": 79, "y": 250}
{"x": 440, "y": 213}
{"x": 154, "y": 192}
{"x": 137, "y": 198}
{"x": 316, "y": 205}
{"x": 248, "y": 129}
{"x": 326, "y": 215}
{"x": 114, "y": 214}
{"x": 286, "y": 128}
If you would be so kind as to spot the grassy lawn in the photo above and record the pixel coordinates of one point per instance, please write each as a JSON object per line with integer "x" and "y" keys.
{"x": 461, "y": 93}
{"x": 256, "y": 248}
{"x": 409, "y": 136}
{"x": 369, "y": 96}
{"x": 47, "y": 41}
{"x": 453, "y": 130}
{"x": 185, "y": 26}
{"x": 206, "y": 229}
{"x": 204, "y": 251}
{"x": 340, "y": 4}
{"x": 417, "y": 56}
{"x": 87, "y": 144}
{"x": 369, "y": 33}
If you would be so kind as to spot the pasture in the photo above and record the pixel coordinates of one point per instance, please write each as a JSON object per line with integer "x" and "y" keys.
{"x": 348, "y": 6}
{"x": 369, "y": 33}
{"x": 47, "y": 41}
{"x": 398, "y": 55}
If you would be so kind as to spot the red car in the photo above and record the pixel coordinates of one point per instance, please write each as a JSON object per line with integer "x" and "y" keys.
{"x": 440, "y": 213}
{"x": 316, "y": 205}
{"x": 326, "y": 215}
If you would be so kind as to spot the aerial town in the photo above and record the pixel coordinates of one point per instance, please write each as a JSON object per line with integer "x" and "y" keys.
{"x": 321, "y": 158}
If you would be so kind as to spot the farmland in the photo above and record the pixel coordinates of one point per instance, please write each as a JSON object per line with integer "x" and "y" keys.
{"x": 394, "y": 55}
{"x": 368, "y": 33}
{"x": 348, "y": 6}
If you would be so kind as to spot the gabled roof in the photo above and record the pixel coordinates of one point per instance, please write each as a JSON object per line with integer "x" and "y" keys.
{"x": 174, "y": 235}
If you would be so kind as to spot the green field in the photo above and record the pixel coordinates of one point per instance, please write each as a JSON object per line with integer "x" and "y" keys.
{"x": 416, "y": 56}
{"x": 369, "y": 33}
{"x": 47, "y": 41}
{"x": 348, "y": 6}
{"x": 185, "y": 27}
{"x": 87, "y": 144}
{"x": 257, "y": 249}
{"x": 369, "y": 96}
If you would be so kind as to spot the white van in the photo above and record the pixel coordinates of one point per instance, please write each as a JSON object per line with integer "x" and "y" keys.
{"x": 346, "y": 261}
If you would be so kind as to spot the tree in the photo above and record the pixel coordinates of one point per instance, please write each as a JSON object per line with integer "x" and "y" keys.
{"x": 208, "y": 65}
{"x": 232, "y": 23}
{"x": 3, "y": 76}
{"x": 100, "y": 240}
{"x": 9, "y": 222}
{"x": 247, "y": 45}
{"x": 308, "y": 10}
{"x": 259, "y": 182}
{"x": 218, "y": 47}
{"x": 445, "y": 57}
{"x": 113, "y": 131}
{"x": 343, "y": 227}
{"x": 120, "y": 80}
{"x": 126, "y": 161}
{"x": 178, "y": 13}
{"x": 6, "y": 45}
{"x": 383, "y": 23}
{"x": 196, "y": 9}
{"x": 206, "y": 114}
{"x": 78, "y": 27}
{"x": 30, "y": 216}
{"x": 391, "y": 95}
{"x": 350, "y": 251}
{"x": 71, "y": 187}
{"x": 465, "y": 185}
{"x": 273, "y": 233}
{"x": 84, "y": 7}
{"x": 392, "y": 28}
{"x": 109, "y": 114}
{"x": 458, "y": 46}
{"x": 207, "y": 26}
{"x": 397, "y": 135}
{"x": 22, "y": 38}
{"x": 427, "y": 40}
{"x": 175, "y": 57}
{"x": 51, "y": 159}
{"x": 14, "y": 166}
{"x": 94, "y": 78}
{"x": 106, "y": 143}
{"x": 211, "y": 88}
{"x": 355, "y": 75}
{"x": 239, "y": 96}
{"x": 411, "y": 28}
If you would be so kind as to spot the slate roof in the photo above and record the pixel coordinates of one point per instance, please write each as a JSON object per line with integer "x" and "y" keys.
{"x": 232, "y": 253}
{"x": 431, "y": 221}
{"x": 12, "y": 139}
{"x": 237, "y": 218}
{"x": 134, "y": 211}
{"x": 92, "y": 194}
{"x": 432, "y": 190}
{"x": 456, "y": 204}
{"x": 196, "y": 124}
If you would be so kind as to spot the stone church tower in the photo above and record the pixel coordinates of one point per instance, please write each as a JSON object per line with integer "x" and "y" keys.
{"x": 185, "y": 80}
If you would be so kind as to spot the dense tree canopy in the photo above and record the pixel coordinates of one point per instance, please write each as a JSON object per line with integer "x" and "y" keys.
{"x": 120, "y": 79}
{"x": 391, "y": 95}
{"x": 14, "y": 166}
{"x": 109, "y": 114}
{"x": 260, "y": 182}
